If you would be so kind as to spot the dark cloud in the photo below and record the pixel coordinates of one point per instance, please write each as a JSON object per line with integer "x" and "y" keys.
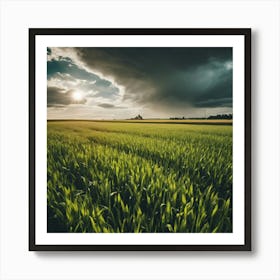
{"x": 110, "y": 106}
{"x": 106, "y": 105}
{"x": 58, "y": 97}
{"x": 167, "y": 77}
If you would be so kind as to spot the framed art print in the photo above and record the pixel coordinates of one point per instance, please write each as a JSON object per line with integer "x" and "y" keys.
{"x": 140, "y": 139}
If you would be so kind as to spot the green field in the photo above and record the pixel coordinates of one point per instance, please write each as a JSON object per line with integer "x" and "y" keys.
{"x": 139, "y": 177}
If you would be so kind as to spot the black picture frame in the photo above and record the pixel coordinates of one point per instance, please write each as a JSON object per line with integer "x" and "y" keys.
{"x": 246, "y": 32}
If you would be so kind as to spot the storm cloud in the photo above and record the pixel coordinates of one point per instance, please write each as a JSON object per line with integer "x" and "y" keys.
{"x": 167, "y": 77}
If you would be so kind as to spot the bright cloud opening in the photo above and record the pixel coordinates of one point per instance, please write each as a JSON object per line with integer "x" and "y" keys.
{"x": 77, "y": 96}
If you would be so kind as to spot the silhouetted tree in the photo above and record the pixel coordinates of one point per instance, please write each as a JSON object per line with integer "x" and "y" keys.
{"x": 139, "y": 117}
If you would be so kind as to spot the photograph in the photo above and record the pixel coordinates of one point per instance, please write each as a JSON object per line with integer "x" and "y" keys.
{"x": 138, "y": 141}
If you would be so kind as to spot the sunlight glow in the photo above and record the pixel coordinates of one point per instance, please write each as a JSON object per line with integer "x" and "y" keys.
{"x": 77, "y": 96}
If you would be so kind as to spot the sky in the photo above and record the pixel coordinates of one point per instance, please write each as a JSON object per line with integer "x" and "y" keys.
{"x": 120, "y": 83}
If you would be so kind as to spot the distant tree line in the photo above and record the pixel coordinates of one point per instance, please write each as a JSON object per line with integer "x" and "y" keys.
{"x": 216, "y": 117}
{"x": 221, "y": 117}
{"x": 177, "y": 118}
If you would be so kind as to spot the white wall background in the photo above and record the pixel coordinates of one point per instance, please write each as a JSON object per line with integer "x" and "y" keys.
{"x": 16, "y": 262}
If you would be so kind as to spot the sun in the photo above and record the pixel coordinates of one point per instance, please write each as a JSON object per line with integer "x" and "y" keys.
{"x": 77, "y": 96}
